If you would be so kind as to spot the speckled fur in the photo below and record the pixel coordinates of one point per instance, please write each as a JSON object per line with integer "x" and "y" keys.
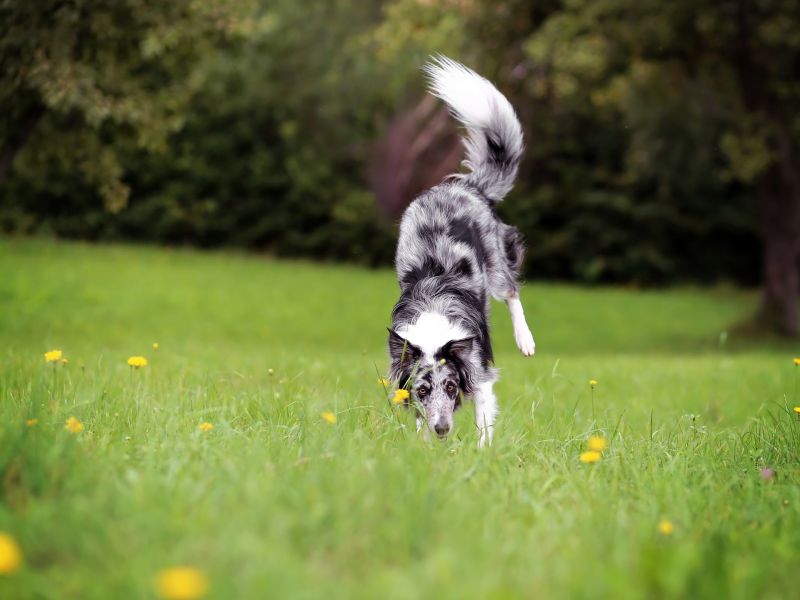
{"x": 453, "y": 253}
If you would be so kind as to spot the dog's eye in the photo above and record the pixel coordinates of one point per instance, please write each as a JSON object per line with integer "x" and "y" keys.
{"x": 451, "y": 388}
{"x": 422, "y": 391}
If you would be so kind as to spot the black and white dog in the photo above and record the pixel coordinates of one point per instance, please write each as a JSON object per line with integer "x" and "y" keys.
{"x": 453, "y": 253}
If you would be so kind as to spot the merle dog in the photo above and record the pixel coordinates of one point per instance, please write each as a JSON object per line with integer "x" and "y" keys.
{"x": 453, "y": 253}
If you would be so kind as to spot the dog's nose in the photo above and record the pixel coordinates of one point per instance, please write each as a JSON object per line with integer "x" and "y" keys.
{"x": 441, "y": 428}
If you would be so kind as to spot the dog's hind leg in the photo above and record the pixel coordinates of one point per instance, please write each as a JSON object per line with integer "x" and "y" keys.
{"x": 522, "y": 333}
{"x": 507, "y": 288}
{"x": 485, "y": 412}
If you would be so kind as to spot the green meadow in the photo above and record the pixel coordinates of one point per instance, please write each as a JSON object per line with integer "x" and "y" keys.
{"x": 276, "y": 502}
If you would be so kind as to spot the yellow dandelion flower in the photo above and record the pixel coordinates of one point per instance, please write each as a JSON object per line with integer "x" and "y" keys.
{"x": 31, "y": 422}
{"x": 593, "y": 383}
{"x": 797, "y": 409}
{"x": 73, "y": 425}
{"x": 206, "y": 426}
{"x": 10, "y": 554}
{"x": 597, "y": 443}
{"x": 328, "y": 417}
{"x": 155, "y": 345}
{"x": 590, "y": 456}
{"x": 137, "y": 361}
{"x": 796, "y": 361}
{"x": 400, "y": 396}
{"x": 53, "y": 355}
{"x": 665, "y": 527}
{"x": 181, "y": 583}
{"x": 382, "y": 381}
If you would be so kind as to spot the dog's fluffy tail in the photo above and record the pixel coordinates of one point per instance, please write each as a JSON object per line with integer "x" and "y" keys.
{"x": 494, "y": 135}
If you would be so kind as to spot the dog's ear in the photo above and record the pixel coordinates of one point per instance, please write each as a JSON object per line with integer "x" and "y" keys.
{"x": 459, "y": 349}
{"x": 457, "y": 352}
{"x": 402, "y": 352}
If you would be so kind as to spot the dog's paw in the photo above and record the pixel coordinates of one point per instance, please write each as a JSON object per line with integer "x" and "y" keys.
{"x": 525, "y": 342}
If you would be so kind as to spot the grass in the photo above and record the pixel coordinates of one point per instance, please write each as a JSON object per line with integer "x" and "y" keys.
{"x": 274, "y": 501}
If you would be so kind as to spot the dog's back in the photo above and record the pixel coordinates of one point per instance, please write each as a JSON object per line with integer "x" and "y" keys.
{"x": 451, "y": 241}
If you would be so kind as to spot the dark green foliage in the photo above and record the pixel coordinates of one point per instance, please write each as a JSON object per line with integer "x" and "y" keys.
{"x": 637, "y": 168}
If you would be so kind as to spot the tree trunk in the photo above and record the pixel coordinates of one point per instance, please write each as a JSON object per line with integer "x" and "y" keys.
{"x": 419, "y": 148}
{"x": 780, "y": 227}
{"x": 779, "y": 193}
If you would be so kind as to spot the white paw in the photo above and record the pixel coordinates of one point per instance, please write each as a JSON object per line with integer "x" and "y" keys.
{"x": 486, "y": 437}
{"x": 525, "y": 341}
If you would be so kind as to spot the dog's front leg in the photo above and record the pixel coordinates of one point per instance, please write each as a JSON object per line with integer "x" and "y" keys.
{"x": 485, "y": 412}
{"x": 522, "y": 334}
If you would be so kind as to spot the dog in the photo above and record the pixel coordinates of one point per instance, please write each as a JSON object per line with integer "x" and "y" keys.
{"x": 453, "y": 253}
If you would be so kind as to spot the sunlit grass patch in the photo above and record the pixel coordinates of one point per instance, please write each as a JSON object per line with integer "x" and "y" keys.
{"x": 257, "y": 448}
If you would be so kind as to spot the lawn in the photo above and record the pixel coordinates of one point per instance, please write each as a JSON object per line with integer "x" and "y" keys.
{"x": 274, "y": 501}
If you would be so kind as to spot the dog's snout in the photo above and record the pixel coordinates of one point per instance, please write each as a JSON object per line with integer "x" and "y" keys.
{"x": 441, "y": 428}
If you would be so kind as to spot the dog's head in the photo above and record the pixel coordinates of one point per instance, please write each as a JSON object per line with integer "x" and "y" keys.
{"x": 435, "y": 380}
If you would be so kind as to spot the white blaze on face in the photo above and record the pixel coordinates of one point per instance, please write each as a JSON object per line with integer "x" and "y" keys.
{"x": 430, "y": 332}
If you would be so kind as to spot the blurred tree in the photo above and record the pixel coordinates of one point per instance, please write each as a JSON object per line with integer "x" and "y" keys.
{"x": 692, "y": 84}
{"x": 595, "y": 200}
{"x": 76, "y": 75}
{"x": 419, "y": 146}
{"x": 272, "y": 151}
